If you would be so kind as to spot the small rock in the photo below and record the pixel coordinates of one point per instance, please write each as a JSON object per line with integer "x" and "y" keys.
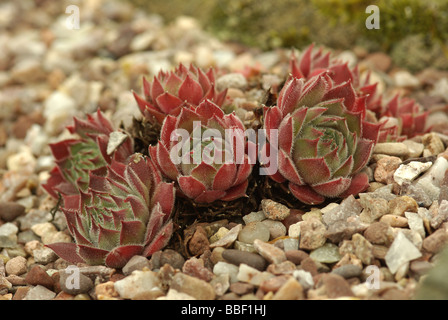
{"x": 290, "y": 290}
{"x": 435, "y": 242}
{"x": 8, "y": 235}
{"x": 139, "y": 285}
{"x": 39, "y": 293}
{"x": 348, "y": 271}
{"x": 74, "y": 283}
{"x": 255, "y": 216}
{"x": 230, "y": 269}
{"x": 431, "y": 180}
{"x": 274, "y": 210}
{"x": 334, "y": 286}
{"x": 106, "y": 290}
{"x": 252, "y": 275}
{"x": 229, "y": 238}
{"x": 192, "y": 286}
{"x": 274, "y": 283}
{"x": 349, "y": 207}
{"x": 363, "y": 249}
{"x": 290, "y": 244}
{"x": 296, "y": 256}
{"x": 44, "y": 255}
{"x": 16, "y": 266}
{"x": 195, "y": 267}
{"x": 394, "y": 220}
{"x": 415, "y": 223}
{"x": 199, "y": 242}
{"x": 238, "y": 257}
{"x": 442, "y": 215}
{"x": 379, "y": 233}
{"x": 231, "y": 80}
{"x": 312, "y": 234}
{"x": 415, "y": 148}
{"x": 135, "y": 263}
{"x": 328, "y": 253}
{"x": 252, "y": 231}
{"x": 406, "y": 173}
{"x": 400, "y": 205}
{"x": 400, "y": 252}
{"x": 269, "y": 252}
{"x": 385, "y": 169}
{"x": 276, "y": 228}
{"x": 38, "y": 276}
{"x": 405, "y": 79}
{"x": 396, "y": 149}
{"x": 241, "y": 288}
{"x": 10, "y": 211}
{"x": 305, "y": 278}
{"x": 433, "y": 144}
{"x": 374, "y": 208}
{"x": 219, "y": 234}
{"x": 173, "y": 258}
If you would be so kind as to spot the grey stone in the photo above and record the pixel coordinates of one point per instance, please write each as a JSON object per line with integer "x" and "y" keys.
{"x": 328, "y": 253}
{"x": 74, "y": 282}
{"x": 400, "y": 252}
{"x": 238, "y": 257}
{"x": 135, "y": 263}
{"x": 8, "y": 235}
{"x": 348, "y": 271}
{"x": 252, "y": 231}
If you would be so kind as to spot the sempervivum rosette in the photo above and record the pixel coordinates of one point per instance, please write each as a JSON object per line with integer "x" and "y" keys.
{"x": 403, "y": 118}
{"x": 323, "y": 140}
{"x": 196, "y": 152}
{"x": 123, "y": 214}
{"x": 76, "y": 158}
{"x": 170, "y": 91}
{"x": 313, "y": 62}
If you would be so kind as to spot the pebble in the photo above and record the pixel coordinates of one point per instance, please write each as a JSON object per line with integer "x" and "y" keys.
{"x": 199, "y": 242}
{"x": 252, "y": 275}
{"x": 39, "y": 292}
{"x": 229, "y": 238}
{"x": 241, "y": 288}
{"x": 442, "y": 215}
{"x": 396, "y": 149}
{"x": 415, "y": 148}
{"x": 9, "y": 211}
{"x": 385, "y": 169}
{"x": 255, "y": 216}
{"x": 221, "y": 284}
{"x": 192, "y": 286}
{"x": 435, "y": 242}
{"x": 406, "y": 173}
{"x": 431, "y": 179}
{"x": 135, "y": 263}
{"x": 415, "y": 223}
{"x": 305, "y": 278}
{"x": 16, "y": 266}
{"x": 404, "y": 78}
{"x": 222, "y": 267}
{"x": 400, "y": 252}
{"x": 8, "y": 235}
{"x": 195, "y": 267}
{"x": 379, "y": 232}
{"x": 328, "y": 253}
{"x": 312, "y": 234}
{"x": 296, "y": 256}
{"x": 433, "y": 144}
{"x": 349, "y": 207}
{"x": 400, "y": 205}
{"x": 74, "y": 283}
{"x": 139, "y": 285}
{"x": 276, "y": 228}
{"x": 238, "y": 257}
{"x": 348, "y": 271}
{"x": 38, "y": 276}
{"x": 269, "y": 252}
{"x": 231, "y": 80}
{"x": 44, "y": 255}
{"x": 274, "y": 210}
{"x": 290, "y": 290}
{"x": 252, "y": 231}
{"x": 374, "y": 208}
{"x": 333, "y": 286}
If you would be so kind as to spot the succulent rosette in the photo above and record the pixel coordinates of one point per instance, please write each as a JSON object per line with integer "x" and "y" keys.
{"x": 125, "y": 213}
{"x": 324, "y": 140}
{"x": 76, "y": 158}
{"x": 313, "y": 62}
{"x": 402, "y": 119}
{"x": 205, "y": 152}
{"x": 170, "y": 91}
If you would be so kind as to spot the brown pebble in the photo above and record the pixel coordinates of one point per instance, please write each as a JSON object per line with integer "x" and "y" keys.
{"x": 296, "y": 256}
{"x": 38, "y": 276}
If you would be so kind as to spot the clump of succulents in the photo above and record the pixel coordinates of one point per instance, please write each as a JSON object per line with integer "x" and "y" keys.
{"x": 324, "y": 141}
{"x": 91, "y": 150}
{"x": 125, "y": 213}
{"x": 193, "y": 151}
{"x": 170, "y": 91}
